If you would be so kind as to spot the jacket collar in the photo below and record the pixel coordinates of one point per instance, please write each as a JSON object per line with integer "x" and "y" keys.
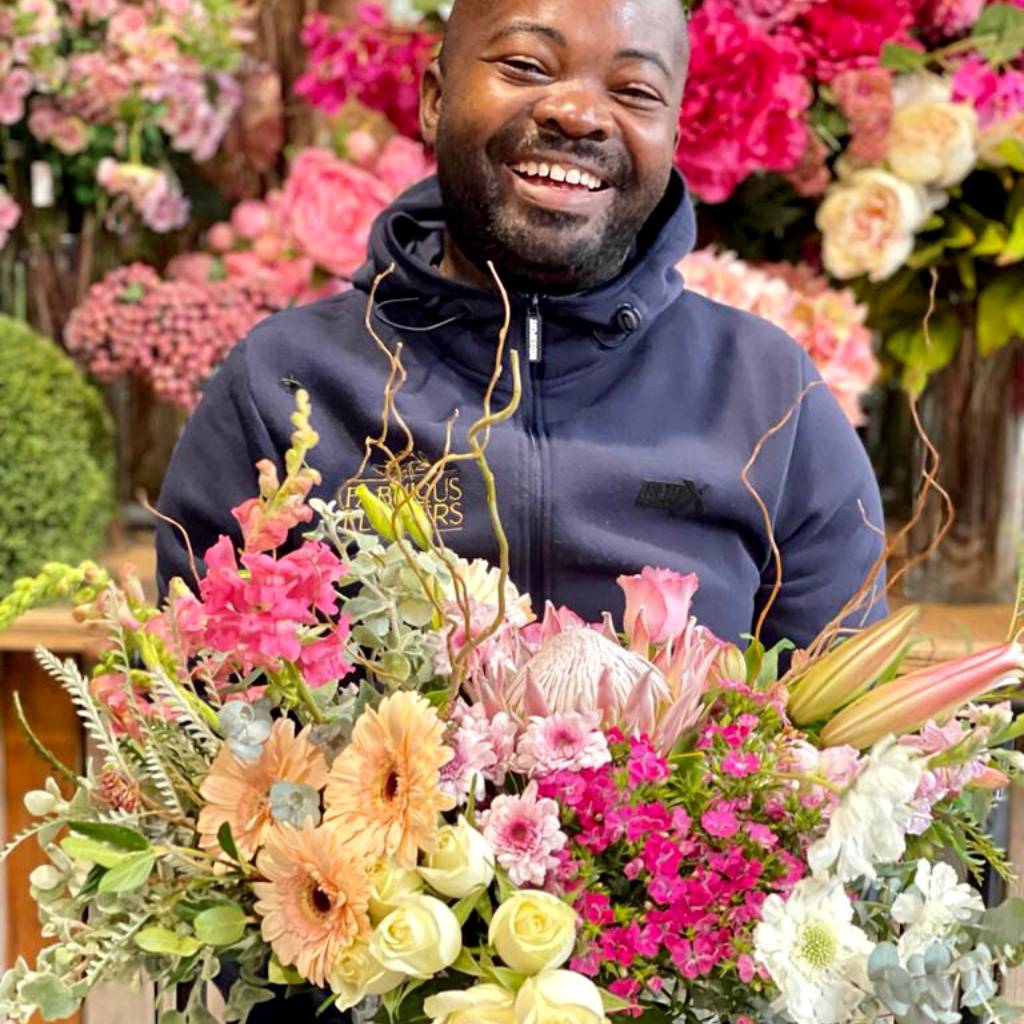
{"x": 416, "y": 299}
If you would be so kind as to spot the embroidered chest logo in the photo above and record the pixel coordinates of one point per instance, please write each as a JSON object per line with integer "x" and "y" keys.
{"x": 444, "y": 503}
{"x": 678, "y": 497}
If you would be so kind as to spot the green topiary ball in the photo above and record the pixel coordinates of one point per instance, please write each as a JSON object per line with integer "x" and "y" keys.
{"x": 56, "y": 456}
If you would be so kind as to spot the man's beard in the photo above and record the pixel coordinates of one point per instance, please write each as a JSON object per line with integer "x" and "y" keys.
{"x": 535, "y": 249}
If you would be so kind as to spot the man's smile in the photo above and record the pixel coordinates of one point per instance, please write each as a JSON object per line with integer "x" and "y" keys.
{"x": 559, "y": 185}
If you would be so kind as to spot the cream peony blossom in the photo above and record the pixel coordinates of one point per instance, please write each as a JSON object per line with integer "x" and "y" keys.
{"x": 869, "y": 825}
{"x": 356, "y": 974}
{"x": 462, "y": 861}
{"x": 481, "y": 1004}
{"x": 933, "y": 141}
{"x": 533, "y": 931}
{"x": 936, "y": 902}
{"x": 868, "y": 221}
{"x": 559, "y": 997}
{"x": 814, "y": 953}
{"x": 420, "y": 937}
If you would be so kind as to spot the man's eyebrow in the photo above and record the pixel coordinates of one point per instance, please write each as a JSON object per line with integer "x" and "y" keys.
{"x": 535, "y": 27}
{"x": 646, "y": 55}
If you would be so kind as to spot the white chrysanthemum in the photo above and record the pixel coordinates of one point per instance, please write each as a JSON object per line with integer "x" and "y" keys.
{"x": 937, "y": 901}
{"x": 869, "y": 825}
{"x": 814, "y": 953}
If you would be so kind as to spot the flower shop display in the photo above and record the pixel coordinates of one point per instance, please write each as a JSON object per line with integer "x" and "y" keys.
{"x": 367, "y": 766}
{"x": 56, "y": 456}
{"x": 829, "y": 324}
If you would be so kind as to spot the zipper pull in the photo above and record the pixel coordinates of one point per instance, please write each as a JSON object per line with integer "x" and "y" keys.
{"x": 534, "y": 331}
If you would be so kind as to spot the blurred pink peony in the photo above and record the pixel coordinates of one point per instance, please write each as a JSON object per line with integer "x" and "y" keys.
{"x": 940, "y": 19}
{"x": 812, "y": 175}
{"x": 221, "y": 237}
{"x": 658, "y": 604}
{"x": 773, "y": 13}
{"x": 331, "y": 205}
{"x": 745, "y": 103}
{"x": 251, "y": 218}
{"x": 403, "y": 162}
{"x": 844, "y": 34}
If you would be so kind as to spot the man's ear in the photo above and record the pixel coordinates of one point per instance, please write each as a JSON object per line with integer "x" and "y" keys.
{"x": 431, "y": 88}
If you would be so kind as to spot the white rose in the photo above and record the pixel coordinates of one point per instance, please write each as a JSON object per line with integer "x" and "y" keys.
{"x": 357, "y": 974}
{"x": 420, "y": 937}
{"x": 390, "y": 884}
{"x": 933, "y": 141}
{"x": 868, "y": 223}
{"x": 559, "y": 997}
{"x": 533, "y": 931}
{"x": 482, "y": 1004}
{"x": 461, "y": 862}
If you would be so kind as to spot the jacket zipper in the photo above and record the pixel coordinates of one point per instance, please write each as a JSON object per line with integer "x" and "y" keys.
{"x": 533, "y": 560}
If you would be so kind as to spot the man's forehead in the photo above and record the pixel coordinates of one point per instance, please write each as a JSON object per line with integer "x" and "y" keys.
{"x": 651, "y": 24}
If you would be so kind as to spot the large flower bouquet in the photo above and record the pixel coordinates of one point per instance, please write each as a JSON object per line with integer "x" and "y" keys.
{"x": 364, "y": 765}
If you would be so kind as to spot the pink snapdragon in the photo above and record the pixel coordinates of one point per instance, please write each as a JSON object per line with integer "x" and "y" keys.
{"x": 525, "y": 834}
{"x": 562, "y": 742}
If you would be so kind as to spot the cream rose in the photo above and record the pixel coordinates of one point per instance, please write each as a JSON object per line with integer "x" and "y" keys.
{"x": 357, "y": 974}
{"x": 420, "y": 937}
{"x": 390, "y": 883}
{"x": 533, "y": 931}
{"x": 482, "y": 1004}
{"x": 868, "y": 223}
{"x": 933, "y": 141}
{"x": 559, "y": 997}
{"x": 461, "y": 862}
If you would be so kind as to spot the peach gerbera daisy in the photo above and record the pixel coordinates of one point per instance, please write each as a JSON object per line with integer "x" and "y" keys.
{"x": 385, "y": 787}
{"x": 238, "y": 791}
{"x": 315, "y": 900}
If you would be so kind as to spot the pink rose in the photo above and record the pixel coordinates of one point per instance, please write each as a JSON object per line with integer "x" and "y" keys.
{"x": 657, "y": 601}
{"x": 744, "y": 106}
{"x": 361, "y": 147}
{"x": 221, "y": 237}
{"x": 331, "y": 206}
{"x": 844, "y": 34}
{"x": 402, "y": 163}
{"x": 251, "y": 218}
{"x": 196, "y": 267}
{"x": 243, "y": 265}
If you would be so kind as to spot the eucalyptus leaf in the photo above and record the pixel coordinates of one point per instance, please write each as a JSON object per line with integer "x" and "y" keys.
{"x": 221, "y": 925}
{"x": 1004, "y": 925}
{"x": 130, "y": 874}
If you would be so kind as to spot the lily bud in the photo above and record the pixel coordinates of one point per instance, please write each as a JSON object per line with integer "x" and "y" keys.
{"x": 847, "y": 671}
{"x": 910, "y": 701}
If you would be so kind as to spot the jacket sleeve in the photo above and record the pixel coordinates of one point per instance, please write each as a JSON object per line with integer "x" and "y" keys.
{"x": 212, "y": 469}
{"x": 828, "y": 526}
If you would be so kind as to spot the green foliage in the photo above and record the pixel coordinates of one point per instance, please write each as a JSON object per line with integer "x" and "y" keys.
{"x": 56, "y": 457}
{"x": 999, "y": 33}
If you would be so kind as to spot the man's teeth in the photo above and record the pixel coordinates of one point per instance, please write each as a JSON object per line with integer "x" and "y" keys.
{"x": 560, "y": 172}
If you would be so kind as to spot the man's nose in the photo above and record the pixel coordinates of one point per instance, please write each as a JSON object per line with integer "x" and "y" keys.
{"x": 576, "y": 110}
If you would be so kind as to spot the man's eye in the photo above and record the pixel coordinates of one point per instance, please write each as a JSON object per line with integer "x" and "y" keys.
{"x": 524, "y": 67}
{"x": 640, "y": 94}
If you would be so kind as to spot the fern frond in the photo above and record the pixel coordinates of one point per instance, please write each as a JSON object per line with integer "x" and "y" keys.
{"x": 26, "y": 833}
{"x": 190, "y": 721}
{"x": 118, "y": 941}
{"x": 157, "y": 772}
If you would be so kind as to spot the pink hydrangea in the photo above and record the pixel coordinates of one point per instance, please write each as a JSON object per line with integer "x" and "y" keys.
{"x": 562, "y": 742}
{"x": 525, "y": 834}
{"x": 745, "y": 103}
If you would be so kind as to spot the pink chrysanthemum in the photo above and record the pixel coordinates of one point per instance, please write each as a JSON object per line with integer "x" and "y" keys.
{"x": 525, "y": 834}
{"x": 565, "y": 742}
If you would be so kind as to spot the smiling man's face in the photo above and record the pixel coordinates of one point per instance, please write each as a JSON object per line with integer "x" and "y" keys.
{"x": 555, "y": 128}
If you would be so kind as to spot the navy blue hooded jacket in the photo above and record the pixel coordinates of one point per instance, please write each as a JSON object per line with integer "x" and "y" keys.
{"x": 641, "y": 404}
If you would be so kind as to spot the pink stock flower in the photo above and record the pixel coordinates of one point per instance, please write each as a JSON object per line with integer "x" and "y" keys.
{"x": 330, "y": 207}
{"x": 744, "y": 106}
{"x": 403, "y": 162}
{"x": 525, "y": 834}
{"x": 844, "y": 34}
{"x": 657, "y": 604}
{"x": 562, "y": 742}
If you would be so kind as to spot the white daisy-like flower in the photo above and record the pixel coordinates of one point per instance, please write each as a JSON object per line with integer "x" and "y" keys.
{"x": 814, "y": 953}
{"x": 869, "y": 826}
{"x": 936, "y": 902}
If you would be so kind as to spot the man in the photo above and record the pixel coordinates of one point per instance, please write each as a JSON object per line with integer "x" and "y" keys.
{"x": 555, "y": 127}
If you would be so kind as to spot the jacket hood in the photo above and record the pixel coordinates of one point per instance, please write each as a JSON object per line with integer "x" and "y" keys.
{"x": 409, "y": 236}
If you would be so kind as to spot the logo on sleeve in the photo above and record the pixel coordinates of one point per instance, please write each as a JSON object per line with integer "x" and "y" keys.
{"x": 677, "y": 497}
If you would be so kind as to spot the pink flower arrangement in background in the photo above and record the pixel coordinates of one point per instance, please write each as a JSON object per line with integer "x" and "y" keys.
{"x": 171, "y": 333}
{"x": 744, "y": 106}
{"x": 153, "y": 194}
{"x": 827, "y": 323}
{"x": 10, "y": 214}
{"x": 370, "y": 60}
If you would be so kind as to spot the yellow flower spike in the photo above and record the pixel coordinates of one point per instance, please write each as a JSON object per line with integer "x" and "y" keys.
{"x": 378, "y": 513}
{"x": 934, "y": 692}
{"x": 849, "y": 670}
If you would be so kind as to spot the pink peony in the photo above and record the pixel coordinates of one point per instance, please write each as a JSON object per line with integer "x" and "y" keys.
{"x": 525, "y": 834}
{"x": 251, "y": 218}
{"x": 331, "y": 205}
{"x": 996, "y": 97}
{"x": 939, "y": 19}
{"x": 744, "y": 106}
{"x": 658, "y": 604}
{"x": 562, "y": 742}
{"x": 402, "y": 163}
{"x": 772, "y": 13}
{"x": 844, "y": 34}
